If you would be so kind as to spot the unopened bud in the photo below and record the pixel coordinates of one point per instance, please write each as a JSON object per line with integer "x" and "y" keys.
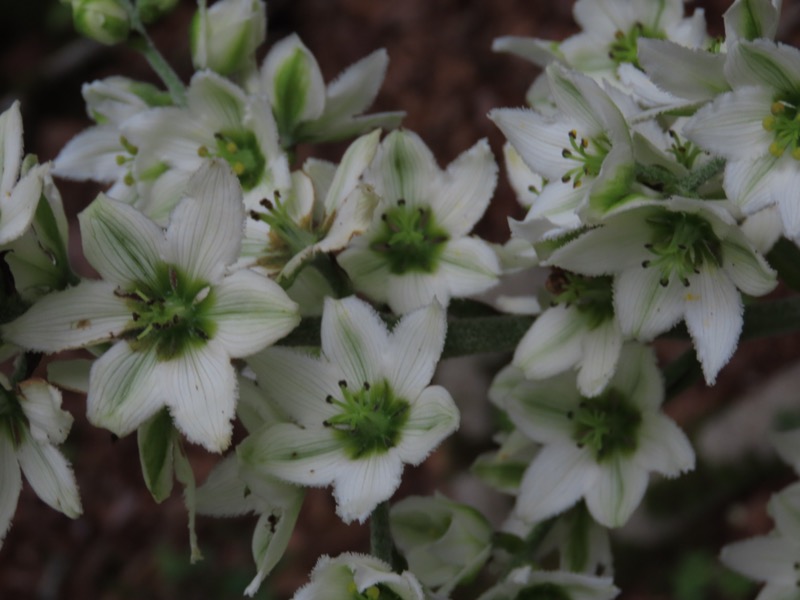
{"x": 150, "y": 10}
{"x": 224, "y": 38}
{"x": 106, "y": 21}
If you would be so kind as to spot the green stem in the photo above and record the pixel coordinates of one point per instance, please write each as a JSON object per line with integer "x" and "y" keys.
{"x": 380, "y": 535}
{"x": 690, "y": 185}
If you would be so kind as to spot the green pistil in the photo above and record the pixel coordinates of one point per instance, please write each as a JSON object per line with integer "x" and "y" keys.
{"x": 287, "y": 237}
{"x": 592, "y": 296}
{"x": 625, "y": 47}
{"x": 543, "y": 591}
{"x": 589, "y": 154}
{"x": 682, "y": 243}
{"x": 684, "y": 151}
{"x": 784, "y": 123}
{"x": 370, "y": 419}
{"x": 241, "y": 150}
{"x": 169, "y": 317}
{"x": 410, "y": 239}
{"x": 608, "y": 425}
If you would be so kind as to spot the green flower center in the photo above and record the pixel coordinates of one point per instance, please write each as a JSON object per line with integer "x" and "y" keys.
{"x": 592, "y": 296}
{"x": 588, "y": 153}
{"x": 410, "y": 239}
{"x": 374, "y": 592}
{"x": 543, "y": 591}
{"x": 171, "y": 316}
{"x": 684, "y": 151}
{"x": 370, "y": 420}
{"x": 625, "y": 47}
{"x": 286, "y": 236}
{"x": 682, "y": 243}
{"x": 241, "y": 150}
{"x": 784, "y": 123}
{"x": 607, "y": 425}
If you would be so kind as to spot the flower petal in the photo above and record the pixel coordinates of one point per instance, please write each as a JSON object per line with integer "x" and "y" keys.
{"x": 765, "y": 558}
{"x": 415, "y": 345}
{"x": 355, "y": 88}
{"x": 468, "y": 266}
{"x": 617, "y": 491}
{"x": 10, "y": 484}
{"x": 748, "y": 183}
{"x": 700, "y": 76}
{"x": 540, "y": 409}
{"x": 433, "y": 417}
{"x": 356, "y": 159}
{"x": 50, "y": 476}
{"x": 41, "y": 404}
{"x": 202, "y": 395}
{"x": 553, "y": 344}
{"x": 746, "y": 268}
{"x": 764, "y": 63}
{"x": 643, "y": 306}
{"x": 18, "y": 207}
{"x": 92, "y": 154}
{"x": 250, "y": 312}
{"x": 663, "y": 447}
{"x": 601, "y": 350}
{"x": 403, "y": 169}
{"x": 364, "y": 484}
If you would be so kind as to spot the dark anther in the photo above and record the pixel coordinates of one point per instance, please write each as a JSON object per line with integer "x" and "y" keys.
{"x": 366, "y": 386}
{"x": 342, "y": 384}
{"x": 266, "y": 204}
{"x": 401, "y": 202}
{"x": 329, "y": 399}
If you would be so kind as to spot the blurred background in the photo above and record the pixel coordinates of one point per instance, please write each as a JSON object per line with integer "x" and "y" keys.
{"x": 443, "y": 73}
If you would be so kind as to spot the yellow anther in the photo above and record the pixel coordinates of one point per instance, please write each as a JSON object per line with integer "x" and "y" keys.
{"x": 777, "y": 108}
{"x": 129, "y": 179}
{"x": 352, "y": 587}
{"x": 573, "y": 134}
{"x": 584, "y": 143}
{"x": 618, "y": 34}
{"x": 373, "y": 593}
{"x": 121, "y": 159}
{"x": 769, "y": 123}
{"x": 776, "y": 149}
{"x": 231, "y": 147}
{"x": 576, "y": 184}
{"x": 202, "y": 151}
{"x": 239, "y": 168}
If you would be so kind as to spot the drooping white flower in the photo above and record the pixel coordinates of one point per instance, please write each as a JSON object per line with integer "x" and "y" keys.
{"x": 673, "y": 260}
{"x": 173, "y": 313}
{"x": 352, "y": 575}
{"x": 600, "y": 449}
{"x": 32, "y": 424}
{"x": 417, "y": 248}
{"x": 360, "y": 411}
{"x": 308, "y": 111}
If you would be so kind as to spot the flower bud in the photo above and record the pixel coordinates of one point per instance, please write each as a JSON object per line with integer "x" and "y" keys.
{"x": 150, "y": 10}
{"x": 224, "y": 37}
{"x": 106, "y": 21}
{"x": 444, "y": 542}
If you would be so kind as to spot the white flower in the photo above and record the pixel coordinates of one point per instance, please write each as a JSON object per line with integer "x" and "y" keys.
{"x": 672, "y": 260}
{"x": 32, "y": 423}
{"x": 417, "y": 248}
{"x": 525, "y": 583}
{"x": 600, "y": 449}
{"x": 175, "y": 316}
{"x": 19, "y": 196}
{"x": 360, "y": 411}
{"x": 307, "y": 111}
{"x": 352, "y": 575}
{"x": 755, "y": 128}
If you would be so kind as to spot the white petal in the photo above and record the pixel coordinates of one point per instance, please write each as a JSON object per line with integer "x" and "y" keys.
{"x": 216, "y": 100}
{"x": 643, "y": 306}
{"x": 10, "y": 147}
{"x": 617, "y": 491}
{"x": 403, "y": 169}
{"x": 662, "y": 446}
{"x": 355, "y": 338}
{"x": 125, "y": 389}
{"x": 77, "y": 317}
{"x": 364, "y": 484}
{"x": 50, "y": 476}
{"x": 638, "y": 377}
{"x": 18, "y": 207}
{"x": 784, "y": 508}
{"x": 355, "y": 88}
{"x": 205, "y": 230}
{"x": 250, "y": 313}
{"x": 121, "y": 243}
{"x": 747, "y": 268}
{"x": 763, "y": 559}
{"x": 415, "y": 344}
{"x": 202, "y": 395}
{"x": 356, "y": 159}
{"x": 466, "y": 189}
{"x": 749, "y": 20}
{"x": 553, "y": 344}
{"x": 10, "y": 484}
{"x": 700, "y": 76}
{"x": 224, "y": 493}
{"x": 468, "y": 266}
{"x": 559, "y": 476}
{"x": 410, "y": 291}
{"x": 433, "y": 417}
{"x": 714, "y": 318}
{"x": 784, "y": 183}
{"x": 748, "y": 183}
{"x": 368, "y": 270}
{"x": 764, "y": 63}
{"x": 298, "y": 383}
{"x": 92, "y": 154}
{"x": 540, "y": 409}
{"x": 731, "y": 125}
{"x": 41, "y": 404}
{"x": 601, "y": 349}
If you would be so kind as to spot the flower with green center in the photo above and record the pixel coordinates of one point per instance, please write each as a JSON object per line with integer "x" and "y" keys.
{"x": 673, "y": 260}
{"x": 173, "y": 312}
{"x": 578, "y": 331}
{"x": 352, "y": 576}
{"x": 359, "y": 411}
{"x": 525, "y": 583}
{"x": 600, "y": 449}
{"x": 756, "y": 128}
{"x": 220, "y": 121}
{"x": 417, "y": 249}
{"x": 32, "y": 424}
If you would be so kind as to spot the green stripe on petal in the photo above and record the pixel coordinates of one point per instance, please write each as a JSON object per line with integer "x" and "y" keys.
{"x": 765, "y": 63}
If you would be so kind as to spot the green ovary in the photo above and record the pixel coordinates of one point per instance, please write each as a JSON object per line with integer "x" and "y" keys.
{"x": 410, "y": 239}
{"x": 682, "y": 243}
{"x": 784, "y": 123}
{"x": 370, "y": 420}
{"x": 242, "y": 152}
{"x": 608, "y": 425}
{"x": 171, "y": 316}
{"x": 625, "y": 47}
{"x": 592, "y": 296}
